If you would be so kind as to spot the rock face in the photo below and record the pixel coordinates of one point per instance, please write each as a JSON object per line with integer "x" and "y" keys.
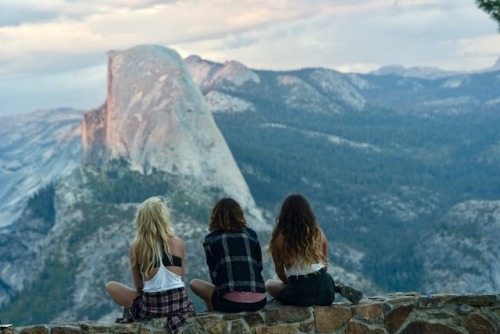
{"x": 155, "y": 117}
{"x": 208, "y": 75}
{"x": 374, "y": 154}
{"x": 464, "y": 245}
{"x": 35, "y": 150}
{"x": 382, "y": 149}
{"x": 153, "y": 136}
{"x": 396, "y": 313}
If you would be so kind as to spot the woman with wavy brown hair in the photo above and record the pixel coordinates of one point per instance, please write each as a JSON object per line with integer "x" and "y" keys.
{"x": 234, "y": 260}
{"x": 300, "y": 254}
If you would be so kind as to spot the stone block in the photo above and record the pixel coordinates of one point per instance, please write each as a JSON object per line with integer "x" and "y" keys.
{"x": 354, "y": 327}
{"x": 399, "y": 294}
{"x": 328, "y": 319}
{"x": 65, "y": 330}
{"x": 287, "y": 314}
{"x": 156, "y": 323}
{"x": 434, "y": 301}
{"x": 192, "y": 327}
{"x": 147, "y": 330}
{"x": 464, "y": 309}
{"x": 401, "y": 300}
{"x": 477, "y": 324}
{"x": 238, "y": 327}
{"x": 394, "y": 319}
{"x": 34, "y": 330}
{"x": 371, "y": 312}
{"x": 253, "y": 319}
{"x": 422, "y": 327}
{"x": 277, "y": 329}
{"x": 124, "y": 328}
{"x": 91, "y": 328}
{"x": 213, "y": 324}
{"x": 233, "y": 316}
{"x": 307, "y": 327}
{"x": 476, "y": 300}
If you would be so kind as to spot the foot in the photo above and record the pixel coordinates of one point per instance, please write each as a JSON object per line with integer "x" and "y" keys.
{"x": 353, "y": 295}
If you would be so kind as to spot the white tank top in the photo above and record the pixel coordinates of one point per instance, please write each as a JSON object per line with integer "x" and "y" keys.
{"x": 301, "y": 269}
{"x": 163, "y": 280}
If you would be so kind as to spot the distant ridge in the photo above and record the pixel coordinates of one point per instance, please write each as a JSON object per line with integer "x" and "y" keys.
{"x": 155, "y": 117}
{"x": 426, "y": 72}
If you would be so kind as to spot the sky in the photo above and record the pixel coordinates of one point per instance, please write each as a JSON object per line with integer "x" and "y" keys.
{"x": 53, "y": 52}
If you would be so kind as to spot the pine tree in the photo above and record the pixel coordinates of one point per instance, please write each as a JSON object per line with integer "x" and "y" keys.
{"x": 492, "y": 7}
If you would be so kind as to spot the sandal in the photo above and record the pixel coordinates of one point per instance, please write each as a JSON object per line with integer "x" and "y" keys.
{"x": 353, "y": 295}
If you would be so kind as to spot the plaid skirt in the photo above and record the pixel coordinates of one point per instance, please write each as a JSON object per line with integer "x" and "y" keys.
{"x": 173, "y": 304}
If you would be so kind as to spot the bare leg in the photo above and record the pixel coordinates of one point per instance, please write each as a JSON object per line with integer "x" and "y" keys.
{"x": 204, "y": 290}
{"x": 274, "y": 287}
{"x": 121, "y": 294}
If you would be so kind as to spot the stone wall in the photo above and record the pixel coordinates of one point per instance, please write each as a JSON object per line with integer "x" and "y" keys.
{"x": 394, "y": 313}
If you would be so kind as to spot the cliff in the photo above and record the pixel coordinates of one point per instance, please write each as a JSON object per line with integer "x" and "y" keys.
{"x": 156, "y": 119}
{"x": 394, "y": 313}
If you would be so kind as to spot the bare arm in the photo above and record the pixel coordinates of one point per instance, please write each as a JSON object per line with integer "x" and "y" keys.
{"x": 325, "y": 248}
{"x": 136, "y": 273}
{"x": 279, "y": 268}
{"x": 183, "y": 268}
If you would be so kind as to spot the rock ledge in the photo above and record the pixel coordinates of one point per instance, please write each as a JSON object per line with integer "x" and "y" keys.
{"x": 392, "y": 313}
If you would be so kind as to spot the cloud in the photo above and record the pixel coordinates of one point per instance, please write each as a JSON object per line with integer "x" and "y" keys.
{"x": 80, "y": 89}
{"x": 36, "y": 11}
{"x": 45, "y": 39}
{"x": 88, "y": 27}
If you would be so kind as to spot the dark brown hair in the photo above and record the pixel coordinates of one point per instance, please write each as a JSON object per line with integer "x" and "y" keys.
{"x": 296, "y": 233}
{"x": 227, "y": 216}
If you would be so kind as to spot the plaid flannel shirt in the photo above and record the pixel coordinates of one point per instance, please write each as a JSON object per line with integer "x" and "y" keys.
{"x": 234, "y": 261}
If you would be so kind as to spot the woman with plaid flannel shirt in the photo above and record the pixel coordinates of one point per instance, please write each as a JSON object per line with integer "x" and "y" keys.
{"x": 234, "y": 260}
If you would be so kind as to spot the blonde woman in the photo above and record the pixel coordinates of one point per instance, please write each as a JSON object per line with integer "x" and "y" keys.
{"x": 158, "y": 265}
{"x": 300, "y": 254}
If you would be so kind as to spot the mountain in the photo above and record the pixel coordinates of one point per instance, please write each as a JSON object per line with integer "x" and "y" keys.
{"x": 155, "y": 117}
{"x": 36, "y": 149}
{"x": 425, "y": 72}
{"x": 414, "y": 72}
{"x": 382, "y": 158}
{"x": 465, "y": 240}
{"x": 387, "y": 162}
{"x": 153, "y": 136}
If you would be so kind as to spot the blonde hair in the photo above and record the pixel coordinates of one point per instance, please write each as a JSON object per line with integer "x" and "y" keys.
{"x": 296, "y": 234}
{"x": 154, "y": 230}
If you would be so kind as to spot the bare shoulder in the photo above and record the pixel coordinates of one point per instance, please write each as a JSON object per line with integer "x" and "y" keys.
{"x": 177, "y": 241}
{"x": 176, "y": 245}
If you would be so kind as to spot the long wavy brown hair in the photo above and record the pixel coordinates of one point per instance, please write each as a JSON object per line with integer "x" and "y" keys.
{"x": 296, "y": 235}
{"x": 154, "y": 230}
{"x": 227, "y": 216}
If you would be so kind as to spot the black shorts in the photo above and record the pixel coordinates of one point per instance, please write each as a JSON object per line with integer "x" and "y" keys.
{"x": 222, "y": 304}
{"x": 308, "y": 290}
